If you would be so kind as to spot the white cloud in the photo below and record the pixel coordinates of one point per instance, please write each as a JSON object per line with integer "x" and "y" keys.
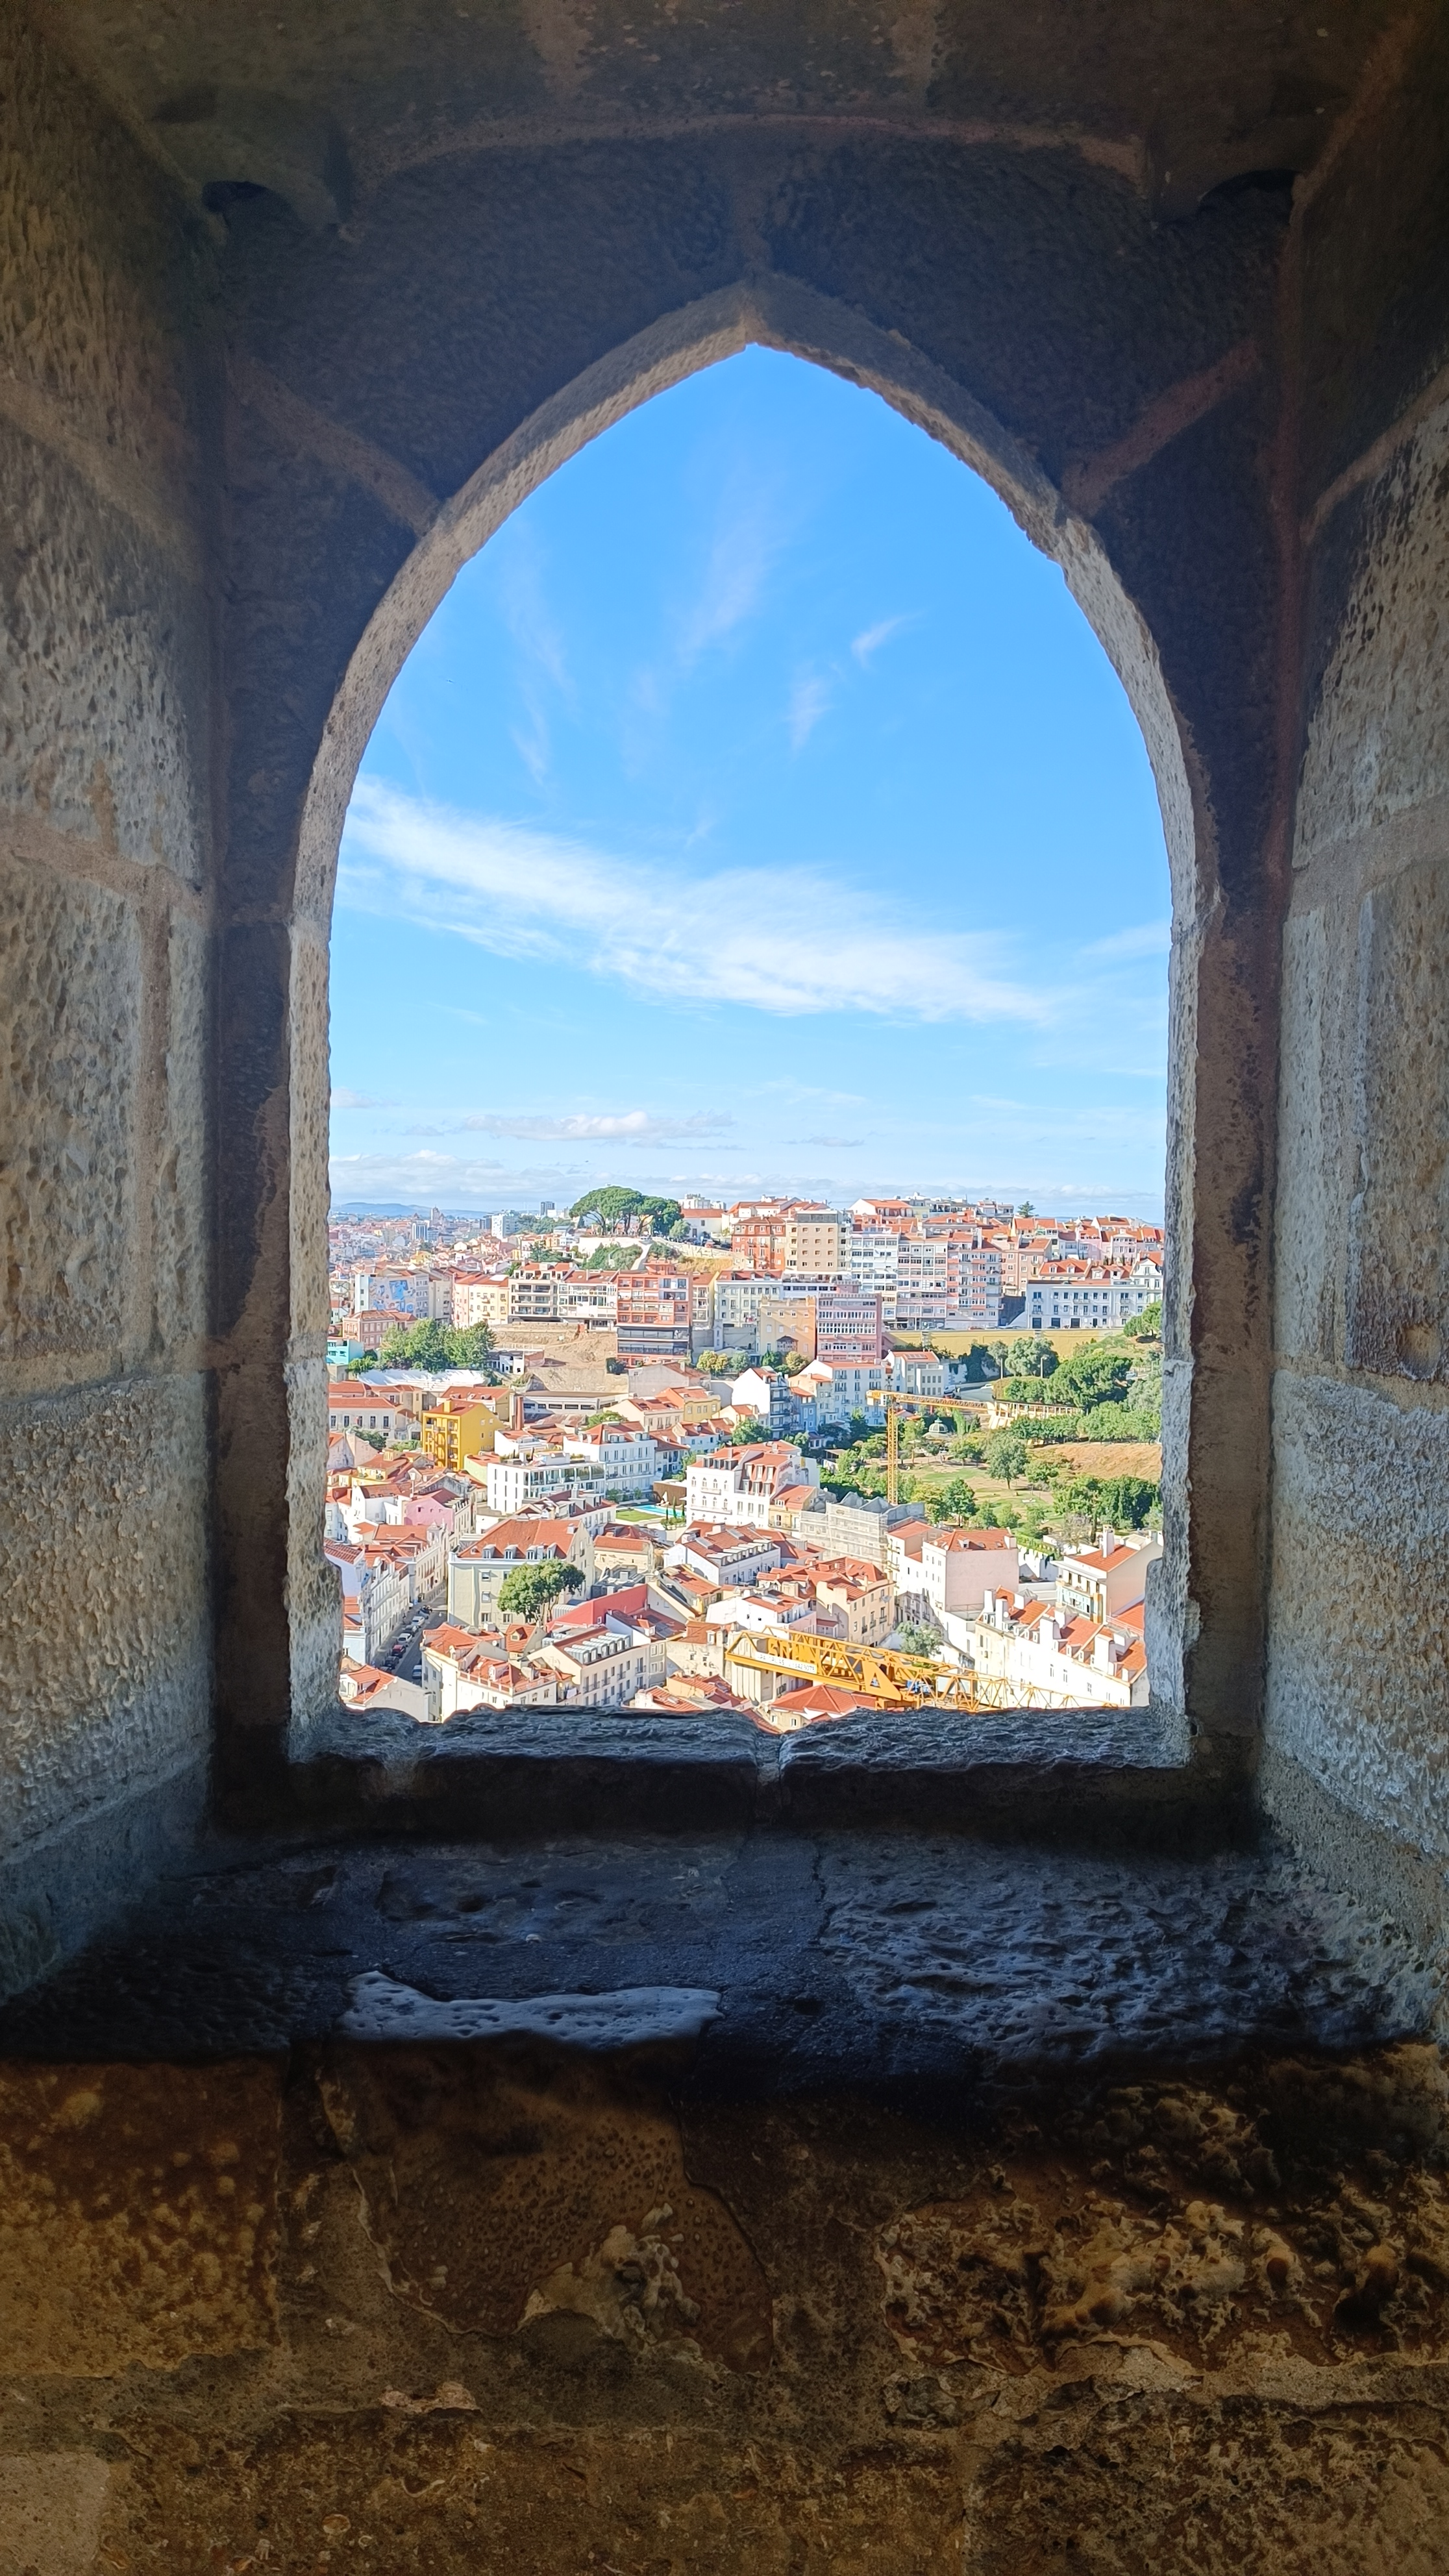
{"x": 342, "y": 1098}
{"x": 870, "y": 639}
{"x": 529, "y": 894}
{"x": 809, "y": 700}
{"x": 628, "y": 1127}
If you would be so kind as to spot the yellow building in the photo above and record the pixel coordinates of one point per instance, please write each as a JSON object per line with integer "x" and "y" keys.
{"x": 456, "y": 1427}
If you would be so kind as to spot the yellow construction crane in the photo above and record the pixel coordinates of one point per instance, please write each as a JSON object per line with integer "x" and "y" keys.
{"x": 895, "y": 1405}
{"x": 895, "y": 1681}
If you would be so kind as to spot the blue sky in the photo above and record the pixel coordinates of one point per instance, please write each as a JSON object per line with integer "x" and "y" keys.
{"x": 757, "y": 811}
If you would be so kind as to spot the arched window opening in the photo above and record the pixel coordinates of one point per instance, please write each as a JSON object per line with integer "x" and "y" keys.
{"x": 748, "y": 1054}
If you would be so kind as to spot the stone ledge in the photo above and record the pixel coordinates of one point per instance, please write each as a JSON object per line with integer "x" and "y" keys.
{"x": 580, "y": 1770}
{"x": 1099, "y": 1775}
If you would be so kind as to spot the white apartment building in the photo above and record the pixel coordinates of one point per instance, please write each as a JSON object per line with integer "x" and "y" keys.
{"x": 1103, "y": 1580}
{"x": 476, "y": 1569}
{"x": 727, "y": 1556}
{"x": 512, "y": 1484}
{"x": 735, "y": 1309}
{"x": 1042, "y": 1651}
{"x": 916, "y": 1373}
{"x": 739, "y": 1485}
{"x": 375, "y": 1599}
{"x": 1066, "y": 1296}
{"x": 626, "y": 1461}
{"x": 841, "y": 1387}
{"x": 872, "y": 1263}
{"x": 587, "y": 1297}
{"x": 603, "y": 1667}
{"x": 960, "y": 1566}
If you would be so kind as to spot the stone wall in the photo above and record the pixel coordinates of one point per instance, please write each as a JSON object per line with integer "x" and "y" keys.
{"x": 1357, "y": 1670}
{"x": 286, "y": 340}
{"x": 105, "y": 855}
{"x": 434, "y": 2310}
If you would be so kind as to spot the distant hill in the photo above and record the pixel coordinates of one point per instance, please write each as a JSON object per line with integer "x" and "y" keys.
{"x": 395, "y": 1207}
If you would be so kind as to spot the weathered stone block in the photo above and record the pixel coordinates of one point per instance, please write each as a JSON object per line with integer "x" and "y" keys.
{"x": 1378, "y": 736}
{"x": 518, "y": 2187}
{"x": 1314, "y": 1130}
{"x": 180, "y": 1249}
{"x": 70, "y": 1003}
{"x": 51, "y": 2504}
{"x": 95, "y": 289}
{"x": 1397, "y": 1288}
{"x": 104, "y": 1642}
{"x": 1358, "y": 1677}
{"x": 137, "y": 2215}
{"x": 447, "y": 2496}
{"x": 105, "y": 663}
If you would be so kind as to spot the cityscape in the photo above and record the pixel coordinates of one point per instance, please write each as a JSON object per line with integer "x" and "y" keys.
{"x": 777, "y": 1460}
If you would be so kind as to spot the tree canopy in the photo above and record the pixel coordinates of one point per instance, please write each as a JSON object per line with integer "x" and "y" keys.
{"x": 614, "y": 1206}
{"x": 1146, "y": 1327}
{"x": 1006, "y": 1456}
{"x": 530, "y": 1590}
{"x": 435, "y": 1345}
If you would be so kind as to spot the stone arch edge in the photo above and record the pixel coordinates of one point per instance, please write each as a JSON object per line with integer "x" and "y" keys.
{"x": 781, "y": 313}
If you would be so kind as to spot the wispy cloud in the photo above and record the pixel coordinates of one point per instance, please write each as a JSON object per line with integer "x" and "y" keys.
{"x": 868, "y": 642}
{"x": 540, "y": 664}
{"x": 628, "y": 1127}
{"x": 342, "y": 1098}
{"x": 836, "y": 1144}
{"x": 1145, "y": 939}
{"x": 748, "y": 538}
{"x": 528, "y": 894}
{"x": 809, "y": 700}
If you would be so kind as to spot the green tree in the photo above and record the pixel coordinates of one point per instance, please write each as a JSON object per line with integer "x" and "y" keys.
{"x": 915, "y": 1639}
{"x": 954, "y": 1501}
{"x": 1096, "y": 1375}
{"x": 608, "y": 1204}
{"x": 1006, "y": 1456}
{"x": 417, "y": 1346}
{"x": 1146, "y": 1327}
{"x": 531, "y": 1590}
{"x": 1034, "y": 1358}
{"x": 433, "y": 1345}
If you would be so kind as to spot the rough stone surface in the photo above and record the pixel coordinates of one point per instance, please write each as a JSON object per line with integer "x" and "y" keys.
{"x": 137, "y": 2215}
{"x": 1377, "y": 740}
{"x": 882, "y": 1959}
{"x": 103, "y": 668}
{"x": 1356, "y": 1674}
{"x": 108, "y": 1690}
{"x": 1008, "y": 2214}
{"x": 534, "y": 2311}
{"x": 70, "y": 998}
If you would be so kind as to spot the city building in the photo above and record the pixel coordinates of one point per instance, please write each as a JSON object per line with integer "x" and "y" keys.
{"x": 1067, "y": 1296}
{"x": 456, "y": 1427}
{"x": 739, "y": 1485}
{"x": 477, "y": 1568}
{"x": 654, "y": 1311}
{"x": 814, "y": 1244}
{"x": 1108, "y": 1578}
